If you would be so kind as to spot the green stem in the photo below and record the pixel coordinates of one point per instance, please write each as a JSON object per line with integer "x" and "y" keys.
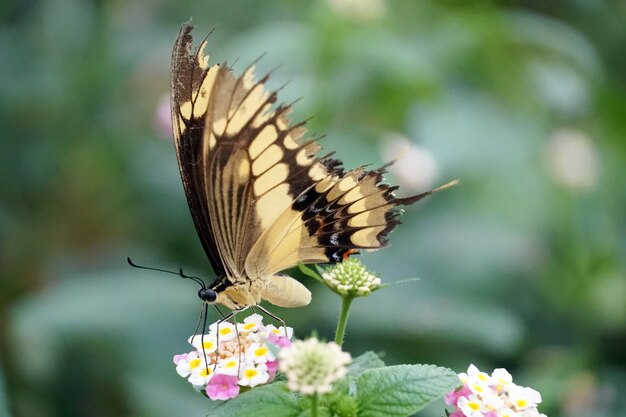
{"x": 343, "y": 319}
{"x": 314, "y": 405}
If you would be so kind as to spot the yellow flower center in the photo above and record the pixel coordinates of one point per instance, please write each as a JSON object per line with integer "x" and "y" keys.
{"x": 473, "y": 406}
{"x": 208, "y": 344}
{"x": 483, "y": 377}
{"x": 478, "y": 388}
{"x": 262, "y": 351}
{"x": 206, "y": 371}
{"x": 230, "y": 364}
{"x": 194, "y": 363}
{"x": 249, "y": 326}
{"x": 225, "y": 331}
{"x": 250, "y": 373}
{"x": 521, "y": 403}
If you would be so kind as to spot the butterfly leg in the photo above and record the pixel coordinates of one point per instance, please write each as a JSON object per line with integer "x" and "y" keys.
{"x": 238, "y": 339}
{"x": 275, "y": 317}
{"x": 205, "y": 310}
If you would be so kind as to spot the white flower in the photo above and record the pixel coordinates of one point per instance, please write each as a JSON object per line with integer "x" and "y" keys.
{"x": 250, "y": 323}
{"x": 187, "y": 364}
{"x": 228, "y": 366}
{"x": 279, "y": 331}
{"x": 531, "y": 412}
{"x": 204, "y": 343}
{"x": 523, "y": 398}
{"x": 259, "y": 353}
{"x": 478, "y": 382}
{"x": 223, "y": 331}
{"x": 201, "y": 375}
{"x": 471, "y": 406}
{"x": 501, "y": 378}
{"x": 312, "y": 366}
{"x": 254, "y": 375}
{"x": 507, "y": 412}
{"x": 492, "y": 401}
{"x": 351, "y": 278}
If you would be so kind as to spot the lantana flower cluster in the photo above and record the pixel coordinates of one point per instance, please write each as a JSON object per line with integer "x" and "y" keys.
{"x": 351, "y": 278}
{"x": 495, "y": 395}
{"x": 231, "y": 356}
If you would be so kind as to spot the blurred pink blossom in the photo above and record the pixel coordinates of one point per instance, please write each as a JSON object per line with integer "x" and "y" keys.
{"x": 415, "y": 167}
{"x": 162, "y": 117}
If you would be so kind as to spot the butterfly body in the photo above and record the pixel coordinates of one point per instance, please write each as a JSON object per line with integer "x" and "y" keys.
{"x": 261, "y": 198}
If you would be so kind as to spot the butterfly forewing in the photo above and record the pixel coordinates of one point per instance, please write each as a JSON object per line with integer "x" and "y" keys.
{"x": 189, "y": 100}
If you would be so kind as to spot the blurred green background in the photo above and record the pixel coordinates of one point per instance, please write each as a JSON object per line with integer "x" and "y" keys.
{"x": 523, "y": 266}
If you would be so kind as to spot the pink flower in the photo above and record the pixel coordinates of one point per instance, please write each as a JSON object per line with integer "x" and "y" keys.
{"x": 162, "y": 117}
{"x": 178, "y": 358}
{"x": 280, "y": 341}
{"x": 272, "y": 367}
{"x": 490, "y": 414}
{"x": 457, "y": 413}
{"x": 222, "y": 387}
{"x": 453, "y": 397}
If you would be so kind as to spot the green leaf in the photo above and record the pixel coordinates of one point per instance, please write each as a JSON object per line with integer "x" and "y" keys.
{"x": 402, "y": 390}
{"x": 309, "y": 272}
{"x": 368, "y": 360}
{"x": 267, "y": 401}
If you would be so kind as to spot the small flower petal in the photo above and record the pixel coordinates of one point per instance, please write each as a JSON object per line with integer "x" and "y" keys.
{"x": 222, "y": 387}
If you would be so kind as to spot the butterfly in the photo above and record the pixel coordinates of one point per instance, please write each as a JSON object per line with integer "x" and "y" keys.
{"x": 261, "y": 197}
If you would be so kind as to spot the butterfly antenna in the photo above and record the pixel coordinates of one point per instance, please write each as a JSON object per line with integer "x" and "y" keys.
{"x": 180, "y": 273}
{"x": 196, "y": 279}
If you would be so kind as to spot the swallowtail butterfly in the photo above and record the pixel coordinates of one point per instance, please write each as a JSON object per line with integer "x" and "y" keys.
{"x": 261, "y": 197}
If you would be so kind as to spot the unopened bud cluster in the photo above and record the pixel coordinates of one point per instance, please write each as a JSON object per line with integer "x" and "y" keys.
{"x": 351, "y": 278}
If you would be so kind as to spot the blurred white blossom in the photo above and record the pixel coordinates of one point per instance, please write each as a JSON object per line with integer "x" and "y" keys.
{"x": 415, "y": 167}
{"x": 573, "y": 159}
{"x": 358, "y": 9}
{"x": 312, "y": 366}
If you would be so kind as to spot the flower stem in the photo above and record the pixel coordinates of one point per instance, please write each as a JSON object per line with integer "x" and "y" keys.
{"x": 314, "y": 405}
{"x": 343, "y": 319}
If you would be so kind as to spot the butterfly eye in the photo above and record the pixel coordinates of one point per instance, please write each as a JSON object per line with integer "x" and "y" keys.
{"x": 207, "y": 295}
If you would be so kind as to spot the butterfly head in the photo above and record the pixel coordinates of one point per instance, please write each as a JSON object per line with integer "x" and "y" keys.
{"x": 207, "y": 295}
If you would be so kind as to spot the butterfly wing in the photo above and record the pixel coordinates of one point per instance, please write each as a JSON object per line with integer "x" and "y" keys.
{"x": 190, "y": 82}
{"x": 237, "y": 182}
{"x": 263, "y": 197}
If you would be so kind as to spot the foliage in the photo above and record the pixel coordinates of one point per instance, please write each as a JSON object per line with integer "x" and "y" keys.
{"x": 374, "y": 390}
